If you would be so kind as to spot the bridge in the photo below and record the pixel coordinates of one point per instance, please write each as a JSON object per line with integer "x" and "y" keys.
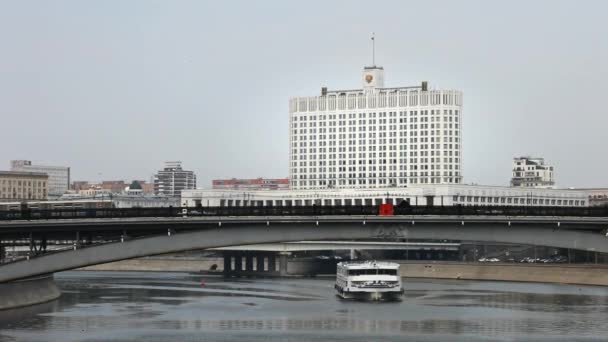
{"x": 133, "y": 237}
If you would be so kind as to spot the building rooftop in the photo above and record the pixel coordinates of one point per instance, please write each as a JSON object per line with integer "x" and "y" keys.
{"x": 23, "y": 174}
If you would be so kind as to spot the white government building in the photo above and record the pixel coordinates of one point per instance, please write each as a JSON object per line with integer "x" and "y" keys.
{"x": 379, "y": 145}
{"x": 375, "y": 137}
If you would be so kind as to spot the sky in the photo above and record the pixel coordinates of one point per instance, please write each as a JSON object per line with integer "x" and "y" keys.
{"x": 115, "y": 88}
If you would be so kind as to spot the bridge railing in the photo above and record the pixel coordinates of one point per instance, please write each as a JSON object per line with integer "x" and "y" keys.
{"x": 80, "y": 213}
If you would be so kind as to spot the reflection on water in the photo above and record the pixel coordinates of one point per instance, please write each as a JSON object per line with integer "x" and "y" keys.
{"x": 127, "y": 306}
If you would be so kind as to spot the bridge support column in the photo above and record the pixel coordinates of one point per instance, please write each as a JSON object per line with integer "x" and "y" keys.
{"x": 227, "y": 264}
{"x": 249, "y": 263}
{"x": 260, "y": 262}
{"x": 272, "y": 263}
{"x": 238, "y": 264}
{"x": 283, "y": 264}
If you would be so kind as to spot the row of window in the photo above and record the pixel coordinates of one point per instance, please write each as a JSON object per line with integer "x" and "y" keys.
{"x": 20, "y": 183}
{"x": 371, "y": 175}
{"x": 362, "y": 155}
{"x": 392, "y": 165}
{"x": 23, "y": 195}
{"x": 352, "y": 156}
{"x": 413, "y": 113}
{"x": 380, "y": 99}
{"x": 312, "y": 135}
{"x": 372, "y": 182}
{"x": 382, "y": 126}
{"x": 515, "y": 200}
{"x": 371, "y": 148}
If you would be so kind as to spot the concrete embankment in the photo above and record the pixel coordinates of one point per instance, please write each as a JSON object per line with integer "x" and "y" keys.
{"x": 161, "y": 264}
{"x": 28, "y": 292}
{"x": 583, "y": 274}
{"x": 542, "y": 273}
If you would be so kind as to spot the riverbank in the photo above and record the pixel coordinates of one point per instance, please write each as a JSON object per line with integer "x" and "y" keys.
{"x": 581, "y": 274}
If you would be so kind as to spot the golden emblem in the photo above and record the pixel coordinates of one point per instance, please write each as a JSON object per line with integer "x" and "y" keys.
{"x": 369, "y": 78}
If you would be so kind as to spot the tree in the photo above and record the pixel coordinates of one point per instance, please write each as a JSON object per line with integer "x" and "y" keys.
{"x": 135, "y": 185}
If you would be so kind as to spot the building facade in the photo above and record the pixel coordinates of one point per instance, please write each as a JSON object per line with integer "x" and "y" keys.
{"x": 416, "y": 195}
{"x": 23, "y": 186}
{"x": 375, "y": 137}
{"x": 114, "y": 186}
{"x": 59, "y": 176}
{"x": 529, "y": 172}
{"x": 597, "y": 196}
{"x": 171, "y": 180}
{"x": 147, "y": 187}
{"x": 251, "y": 184}
{"x": 80, "y": 185}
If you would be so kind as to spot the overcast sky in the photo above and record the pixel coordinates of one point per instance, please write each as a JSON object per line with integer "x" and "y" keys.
{"x": 114, "y": 88}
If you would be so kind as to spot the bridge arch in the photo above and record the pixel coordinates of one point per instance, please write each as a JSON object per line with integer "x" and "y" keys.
{"x": 255, "y": 233}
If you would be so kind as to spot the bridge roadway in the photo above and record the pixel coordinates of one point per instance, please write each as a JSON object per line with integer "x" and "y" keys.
{"x": 141, "y": 237}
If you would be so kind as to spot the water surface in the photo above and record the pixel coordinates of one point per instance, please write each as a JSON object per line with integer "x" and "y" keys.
{"x": 151, "y": 306}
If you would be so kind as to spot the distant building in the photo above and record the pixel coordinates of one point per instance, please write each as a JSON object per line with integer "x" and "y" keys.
{"x": 251, "y": 184}
{"x": 531, "y": 172}
{"x": 597, "y": 196}
{"x": 415, "y": 195}
{"x": 114, "y": 186}
{"x": 59, "y": 176}
{"x": 126, "y": 198}
{"x": 147, "y": 187}
{"x": 23, "y": 186}
{"x": 80, "y": 185}
{"x": 94, "y": 191}
{"x": 171, "y": 180}
{"x": 73, "y": 201}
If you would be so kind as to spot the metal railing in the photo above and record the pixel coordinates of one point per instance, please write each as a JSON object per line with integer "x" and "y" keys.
{"x": 345, "y": 210}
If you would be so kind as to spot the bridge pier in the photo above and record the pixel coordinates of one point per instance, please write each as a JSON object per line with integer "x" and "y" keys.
{"x": 282, "y": 264}
{"x": 238, "y": 263}
{"x": 249, "y": 262}
{"x": 272, "y": 263}
{"x": 28, "y": 291}
{"x": 252, "y": 264}
{"x": 227, "y": 264}
{"x": 259, "y": 259}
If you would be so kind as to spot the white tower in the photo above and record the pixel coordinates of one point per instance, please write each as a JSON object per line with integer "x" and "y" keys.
{"x": 373, "y": 77}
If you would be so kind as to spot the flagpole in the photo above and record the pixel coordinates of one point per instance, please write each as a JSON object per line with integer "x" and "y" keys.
{"x": 373, "y": 49}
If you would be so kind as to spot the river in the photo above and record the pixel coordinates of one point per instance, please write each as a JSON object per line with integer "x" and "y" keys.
{"x": 152, "y": 306}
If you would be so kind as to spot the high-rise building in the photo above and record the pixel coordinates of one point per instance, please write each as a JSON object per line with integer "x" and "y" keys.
{"x": 251, "y": 184}
{"x": 529, "y": 172}
{"x": 375, "y": 137}
{"x": 173, "y": 179}
{"x": 59, "y": 176}
{"x": 23, "y": 186}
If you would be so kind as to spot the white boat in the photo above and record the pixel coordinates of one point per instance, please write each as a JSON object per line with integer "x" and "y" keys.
{"x": 369, "y": 280}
